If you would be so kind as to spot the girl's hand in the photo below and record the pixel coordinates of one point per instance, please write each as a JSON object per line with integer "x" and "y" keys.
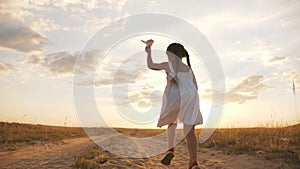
{"x": 148, "y": 42}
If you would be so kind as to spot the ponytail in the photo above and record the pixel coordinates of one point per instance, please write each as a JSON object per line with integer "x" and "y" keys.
{"x": 187, "y": 58}
{"x": 179, "y": 50}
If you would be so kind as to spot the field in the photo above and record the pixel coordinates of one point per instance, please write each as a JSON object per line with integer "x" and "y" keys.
{"x": 38, "y": 146}
{"x": 26, "y": 133}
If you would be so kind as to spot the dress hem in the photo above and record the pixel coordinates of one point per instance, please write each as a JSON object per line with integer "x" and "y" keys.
{"x": 195, "y": 124}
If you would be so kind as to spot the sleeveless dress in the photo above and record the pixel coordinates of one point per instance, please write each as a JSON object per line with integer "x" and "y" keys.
{"x": 180, "y": 100}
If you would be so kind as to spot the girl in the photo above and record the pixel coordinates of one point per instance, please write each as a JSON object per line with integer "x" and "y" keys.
{"x": 180, "y": 100}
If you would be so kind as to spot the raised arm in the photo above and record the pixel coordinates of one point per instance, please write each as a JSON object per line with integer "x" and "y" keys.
{"x": 154, "y": 66}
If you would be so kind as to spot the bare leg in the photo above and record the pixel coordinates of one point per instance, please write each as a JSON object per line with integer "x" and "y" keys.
{"x": 171, "y": 132}
{"x": 171, "y": 143}
{"x": 192, "y": 146}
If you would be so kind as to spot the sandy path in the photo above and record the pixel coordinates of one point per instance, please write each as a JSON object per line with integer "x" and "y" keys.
{"x": 208, "y": 159}
{"x": 61, "y": 155}
{"x": 49, "y": 155}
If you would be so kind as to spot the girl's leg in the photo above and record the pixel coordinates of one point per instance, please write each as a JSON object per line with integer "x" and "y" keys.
{"x": 192, "y": 146}
{"x": 171, "y": 133}
{"x": 171, "y": 143}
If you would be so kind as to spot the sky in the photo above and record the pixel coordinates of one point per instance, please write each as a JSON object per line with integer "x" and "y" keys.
{"x": 257, "y": 43}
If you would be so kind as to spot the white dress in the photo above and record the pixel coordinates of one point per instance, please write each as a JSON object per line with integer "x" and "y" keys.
{"x": 180, "y": 100}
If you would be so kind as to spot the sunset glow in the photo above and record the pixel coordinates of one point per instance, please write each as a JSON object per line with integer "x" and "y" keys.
{"x": 257, "y": 44}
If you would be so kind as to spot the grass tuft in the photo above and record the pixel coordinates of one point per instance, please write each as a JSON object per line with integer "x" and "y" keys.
{"x": 91, "y": 159}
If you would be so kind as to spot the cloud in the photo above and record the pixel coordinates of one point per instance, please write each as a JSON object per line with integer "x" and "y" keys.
{"x": 143, "y": 96}
{"x": 8, "y": 5}
{"x": 116, "y": 4}
{"x": 107, "y": 77}
{"x": 141, "y": 92}
{"x": 277, "y": 58}
{"x": 6, "y": 67}
{"x": 63, "y": 63}
{"x": 15, "y": 35}
{"x": 34, "y": 60}
{"x": 118, "y": 71}
{"x": 113, "y": 72}
{"x": 146, "y": 97}
{"x": 43, "y": 24}
{"x": 91, "y": 4}
{"x": 130, "y": 86}
{"x": 60, "y": 63}
{"x": 248, "y": 89}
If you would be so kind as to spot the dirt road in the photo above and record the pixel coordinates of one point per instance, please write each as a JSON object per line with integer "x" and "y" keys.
{"x": 61, "y": 155}
{"x": 50, "y": 155}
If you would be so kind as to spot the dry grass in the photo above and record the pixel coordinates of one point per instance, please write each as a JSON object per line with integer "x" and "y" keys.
{"x": 19, "y": 133}
{"x": 283, "y": 143}
{"x": 91, "y": 159}
{"x": 270, "y": 143}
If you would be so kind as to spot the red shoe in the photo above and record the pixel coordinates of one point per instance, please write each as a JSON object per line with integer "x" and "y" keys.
{"x": 195, "y": 165}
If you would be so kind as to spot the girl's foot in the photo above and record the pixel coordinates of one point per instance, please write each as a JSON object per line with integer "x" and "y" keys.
{"x": 194, "y": 165}
{"x": 168, "y": 158}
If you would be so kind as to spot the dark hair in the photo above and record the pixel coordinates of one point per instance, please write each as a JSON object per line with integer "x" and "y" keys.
{"x": 179, "y": 50}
